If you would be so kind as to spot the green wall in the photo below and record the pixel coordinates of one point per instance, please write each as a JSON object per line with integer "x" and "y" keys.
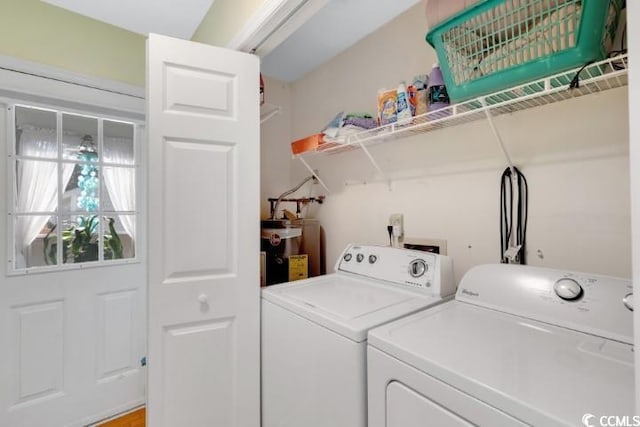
{"x": 224, "y": 20}
{"x": 36, "y": 31}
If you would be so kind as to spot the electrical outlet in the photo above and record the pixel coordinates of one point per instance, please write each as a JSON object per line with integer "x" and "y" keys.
{"x": 397, "y": 222}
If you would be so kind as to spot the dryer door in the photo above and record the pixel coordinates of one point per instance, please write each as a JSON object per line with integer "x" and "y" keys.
{"x": 401, "y": 396}
{"x": 407, "y": 408}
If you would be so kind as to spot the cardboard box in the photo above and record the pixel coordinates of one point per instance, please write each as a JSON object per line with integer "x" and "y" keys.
{"x": 307, "y": 144}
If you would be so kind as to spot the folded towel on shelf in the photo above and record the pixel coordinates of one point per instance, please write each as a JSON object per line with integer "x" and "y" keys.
{"x": 343, "y": 134}
{"x": 345, "y": 124}
{"x": 361, "y": 122}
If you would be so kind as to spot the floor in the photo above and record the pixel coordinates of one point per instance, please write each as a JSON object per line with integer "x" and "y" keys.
{"x": 132, "y": 419}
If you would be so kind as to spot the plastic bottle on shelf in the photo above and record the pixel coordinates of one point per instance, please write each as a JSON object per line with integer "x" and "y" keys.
{"x": 437, "y": 91}
{"x": 403, "y": 108}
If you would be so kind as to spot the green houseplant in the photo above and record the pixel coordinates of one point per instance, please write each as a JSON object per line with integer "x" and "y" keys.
{"x": 80, "y": 242}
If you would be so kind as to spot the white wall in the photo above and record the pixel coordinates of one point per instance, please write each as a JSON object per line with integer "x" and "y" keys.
{"x": 275, "y": 135}
{"x": 446, "y": 183}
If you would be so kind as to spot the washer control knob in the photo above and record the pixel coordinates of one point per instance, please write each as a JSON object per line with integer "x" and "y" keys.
{"x": 359, "y": 257}
{"x": 568, "y": 289}
{"x": 347, "y": 257}
{"x": 628, "y": 301}
{"x": 372, "y": 259}
{"x": 417, "y": 267}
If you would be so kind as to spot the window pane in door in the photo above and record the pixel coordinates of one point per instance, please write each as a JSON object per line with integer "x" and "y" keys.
{"x": 35, "y": 241}
{"x": 118, "y": 189}
{"x": 79, "y": 138}
{"x": 80, "y": 236}
{"x": 36, "y": 134}
{"x": 119, "y": 236}
{"x": 37, "y": 186}
{"x": 82, "y": 192}
{"x": 118, "y": 143}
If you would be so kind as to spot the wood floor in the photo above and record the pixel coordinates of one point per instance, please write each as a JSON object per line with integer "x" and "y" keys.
{"x": 132, "y": 419}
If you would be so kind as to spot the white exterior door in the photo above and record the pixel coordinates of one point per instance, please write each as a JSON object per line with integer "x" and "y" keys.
{"x": 204, "y": 311}
{"x": 70, "y": 341}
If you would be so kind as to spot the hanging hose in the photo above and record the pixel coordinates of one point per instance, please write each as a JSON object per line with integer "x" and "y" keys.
{"x": 513, "y": 181}
{"x": 286, "y": 193}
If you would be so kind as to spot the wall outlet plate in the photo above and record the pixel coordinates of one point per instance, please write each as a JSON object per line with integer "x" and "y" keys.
{"x": 397, "y": 222}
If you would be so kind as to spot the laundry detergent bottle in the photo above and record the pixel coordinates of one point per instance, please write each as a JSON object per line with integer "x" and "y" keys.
{"x": 437, "y": 97}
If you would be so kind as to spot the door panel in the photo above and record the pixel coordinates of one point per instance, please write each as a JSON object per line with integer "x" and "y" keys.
{"x": 199, "y": 91}
{"x": 116, "y": 334}
{"x": 39, "y": 329}
{"x": 203, "y": 115}
{"x": 190, "y": 165}
{"x": 208, "y": 370}
{"x": 72, "y": 343}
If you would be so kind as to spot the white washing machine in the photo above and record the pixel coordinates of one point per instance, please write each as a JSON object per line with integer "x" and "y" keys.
{"x": 314, "y": 332}
{"x": 518, "y": 346}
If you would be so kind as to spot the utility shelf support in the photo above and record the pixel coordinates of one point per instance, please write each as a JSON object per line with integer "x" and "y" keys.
{"x": 310, "y": 169}
{"x": 492, "y": 125}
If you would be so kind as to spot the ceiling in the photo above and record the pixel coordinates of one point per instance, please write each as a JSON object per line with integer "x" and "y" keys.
{"x": 335, "y": 27}
{"x": 175, "y": 18}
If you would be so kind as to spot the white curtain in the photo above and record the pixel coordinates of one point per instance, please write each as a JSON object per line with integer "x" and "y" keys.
{"x": 37, "y": 185}
{"x": 120, "y": 181}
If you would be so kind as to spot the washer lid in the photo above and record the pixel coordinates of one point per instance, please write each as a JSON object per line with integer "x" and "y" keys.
{"x": 348, "y": 306}
{"x": 539, "y": 373}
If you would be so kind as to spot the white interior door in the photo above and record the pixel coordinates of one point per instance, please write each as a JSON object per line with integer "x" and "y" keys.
{"x": 204, "y": 337}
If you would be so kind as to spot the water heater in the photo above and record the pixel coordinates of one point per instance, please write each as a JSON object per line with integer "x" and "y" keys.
{"x": 291, "y": 250}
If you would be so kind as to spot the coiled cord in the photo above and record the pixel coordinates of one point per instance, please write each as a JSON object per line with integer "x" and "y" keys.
{"x": 508, "y": 185}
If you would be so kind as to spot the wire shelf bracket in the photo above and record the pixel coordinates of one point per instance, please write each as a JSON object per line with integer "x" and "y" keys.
{"x": 314, "y": 173}
{"x": 268, "y": 111}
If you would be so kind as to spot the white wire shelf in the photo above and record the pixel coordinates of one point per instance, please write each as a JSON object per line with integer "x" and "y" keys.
{"x": 268, "y": 111}
{"x": 597, "y": 77}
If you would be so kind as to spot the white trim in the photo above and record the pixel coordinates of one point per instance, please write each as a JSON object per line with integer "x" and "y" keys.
{"x": 633, "y": 26}
{"x": 272, "y": 23}
{"x": 41, "y": 82}
{"x": 69, "y": 76}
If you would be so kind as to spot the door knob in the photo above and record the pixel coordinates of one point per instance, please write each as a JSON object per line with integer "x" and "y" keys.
{"x": 203, "y": 299}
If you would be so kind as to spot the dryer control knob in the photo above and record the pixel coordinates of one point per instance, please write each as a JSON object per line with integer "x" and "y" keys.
{"x": 628, "y": 301}
{"x": 417, "y": 267}
{"x": 568, "y": 289}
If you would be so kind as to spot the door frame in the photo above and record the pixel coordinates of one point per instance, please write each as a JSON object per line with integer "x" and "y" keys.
{"x": 45, "y": 83}
{"x": 272, "y": 23}
{"x": 633, "y": 19}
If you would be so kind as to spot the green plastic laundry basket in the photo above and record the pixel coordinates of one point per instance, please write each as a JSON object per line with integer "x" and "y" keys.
{"x": 497, "y": 44}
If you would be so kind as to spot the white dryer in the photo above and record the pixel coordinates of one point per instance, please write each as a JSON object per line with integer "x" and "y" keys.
{"x": 314, "y": 332}
{"x": 518, "y": 346}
